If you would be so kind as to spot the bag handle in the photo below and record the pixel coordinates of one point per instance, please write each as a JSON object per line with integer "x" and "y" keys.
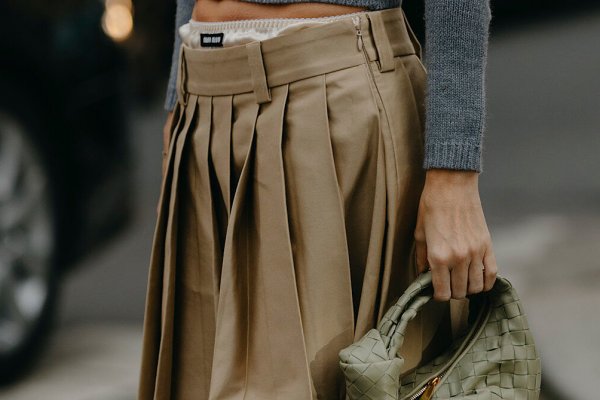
{"x": 392, "y": 326}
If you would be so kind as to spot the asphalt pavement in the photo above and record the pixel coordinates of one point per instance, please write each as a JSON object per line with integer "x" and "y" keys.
{"x": 540, "y": 190}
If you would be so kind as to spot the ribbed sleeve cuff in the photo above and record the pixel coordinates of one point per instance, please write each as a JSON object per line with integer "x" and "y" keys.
{"x": 458, "y": 156}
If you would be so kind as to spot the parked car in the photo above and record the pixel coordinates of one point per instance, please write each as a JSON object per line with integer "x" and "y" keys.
{"x": 64, "y": 160}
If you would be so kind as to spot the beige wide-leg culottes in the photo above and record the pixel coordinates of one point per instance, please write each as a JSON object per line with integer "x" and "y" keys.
{"x": 287, "y": 212}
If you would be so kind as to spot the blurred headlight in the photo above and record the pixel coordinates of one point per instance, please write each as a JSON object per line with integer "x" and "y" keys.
{"x": 117, "y": 21}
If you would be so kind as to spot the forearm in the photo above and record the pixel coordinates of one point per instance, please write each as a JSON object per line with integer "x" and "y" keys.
{"x": 455, "y": 56}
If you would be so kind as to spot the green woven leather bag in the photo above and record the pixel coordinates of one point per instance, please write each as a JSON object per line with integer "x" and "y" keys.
{"x": 495, "y": 358}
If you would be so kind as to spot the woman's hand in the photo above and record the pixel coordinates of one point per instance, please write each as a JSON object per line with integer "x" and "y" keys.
{"x": 452, "y": 237}
{"x": 166, "y": 139}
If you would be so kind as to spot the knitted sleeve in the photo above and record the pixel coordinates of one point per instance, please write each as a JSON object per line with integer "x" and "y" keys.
{"x": 182, "y": 16}
{"x": 456, "y": 33}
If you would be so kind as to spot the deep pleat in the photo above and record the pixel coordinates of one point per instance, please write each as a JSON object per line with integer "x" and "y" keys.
{"x": 155, "y": 379}
{"x": 153, "y": 320}
{"x": 318, "y": 234}
{"x": 221, "y": 148}
{"x": 274, "y": 322}
{"x": 197, "y": 240}
{"x": 355, "y": 132}
{"x": 165, "y": 359}
{"x": 373, "y": 293}
{"x": 232, "y": 318}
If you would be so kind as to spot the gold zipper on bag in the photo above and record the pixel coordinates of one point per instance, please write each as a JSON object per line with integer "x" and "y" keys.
{"x": 426, "y": 393}
{"x": 428, "y": 390}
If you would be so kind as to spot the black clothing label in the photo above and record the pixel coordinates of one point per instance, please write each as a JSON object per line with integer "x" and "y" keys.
{"x": 211, "y": 39}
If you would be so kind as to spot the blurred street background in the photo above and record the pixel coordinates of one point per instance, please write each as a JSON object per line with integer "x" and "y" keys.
{"x": 540, "y": 187}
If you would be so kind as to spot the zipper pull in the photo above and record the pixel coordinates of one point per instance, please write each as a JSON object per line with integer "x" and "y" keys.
{"x": 359, "y": 41}
{"x": 428, "y": 393}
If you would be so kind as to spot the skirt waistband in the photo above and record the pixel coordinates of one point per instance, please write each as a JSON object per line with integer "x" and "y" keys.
{"x": 204, "y": 34}
{"x": 257, "y": 66}
{"x": 261, "y": 23}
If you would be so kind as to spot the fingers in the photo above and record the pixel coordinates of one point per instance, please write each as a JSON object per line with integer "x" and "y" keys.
{"x": 449, "y": 272}
{"x": 449, "y": 282}
{"x": 421, "y": 252}
{"x": 490, "y": 272}
{"x": 475, "y": 284}
{"x": 440, "y": 278}
{"x": 459, "y": 277}
{"x": 456, "y": 276}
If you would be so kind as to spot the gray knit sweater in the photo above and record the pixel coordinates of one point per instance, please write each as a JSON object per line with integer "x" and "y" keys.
{"x": 456, "y": 33}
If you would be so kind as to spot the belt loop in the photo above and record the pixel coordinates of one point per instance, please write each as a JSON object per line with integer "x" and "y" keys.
{"x": 382, "y": 42}
{"x": 181, "y": 78}
{"x": 257, "y": 70}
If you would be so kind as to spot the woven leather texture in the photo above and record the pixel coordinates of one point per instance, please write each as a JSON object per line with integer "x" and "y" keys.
{"x": 495, "y": 359}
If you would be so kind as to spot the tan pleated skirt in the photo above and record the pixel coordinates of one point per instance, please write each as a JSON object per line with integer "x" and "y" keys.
{"x": 286, "y": 214}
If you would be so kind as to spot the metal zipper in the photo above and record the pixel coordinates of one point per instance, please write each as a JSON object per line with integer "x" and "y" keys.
{"x": 361, "y": 47}
{"x": 426, "y": 392}
{"x": 359, "y": 41}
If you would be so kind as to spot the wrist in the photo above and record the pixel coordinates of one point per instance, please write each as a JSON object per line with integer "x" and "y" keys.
{"x": 451, "y": 176}
{"x": 451, "y": 183}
